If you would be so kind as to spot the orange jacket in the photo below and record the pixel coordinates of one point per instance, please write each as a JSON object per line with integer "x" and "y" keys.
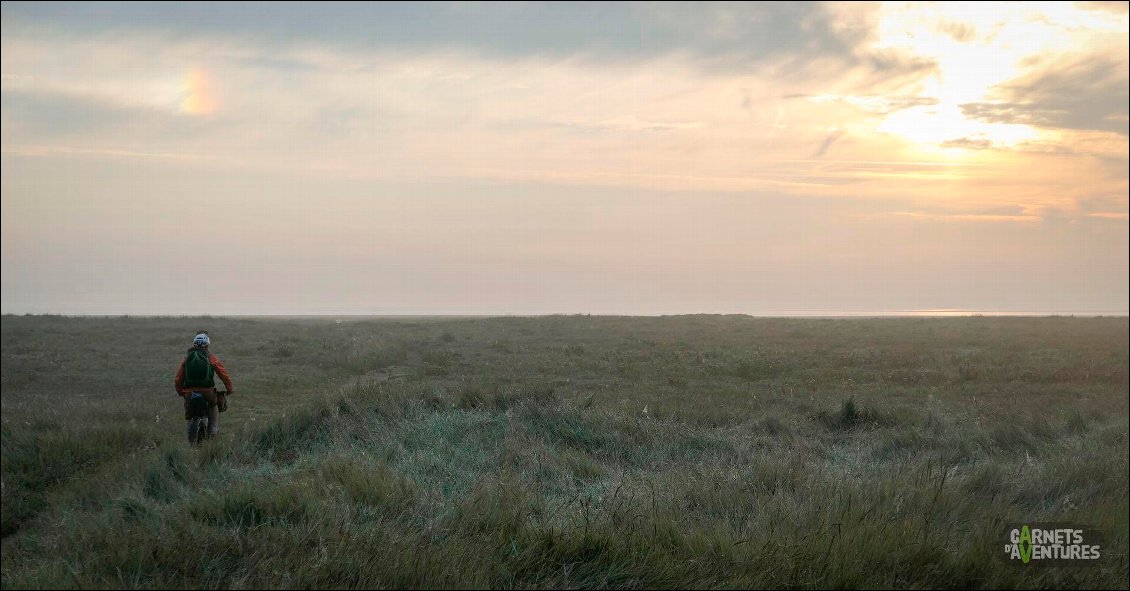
{"x": 216, "y": 365}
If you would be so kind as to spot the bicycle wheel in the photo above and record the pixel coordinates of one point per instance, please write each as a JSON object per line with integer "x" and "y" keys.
{"x": 197, "y": 430}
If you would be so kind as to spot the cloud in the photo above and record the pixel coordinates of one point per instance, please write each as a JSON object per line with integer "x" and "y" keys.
{"x": 633, "y": 124}
{"x": 720, "y": 36}
{"x": 59, "y": 150}
{"x": 1105, "y": 206}
{"x": 968, "y": 143}
{"x": 689, "y": 117}
{"x": 506, "y": 29}
{"x": 76, "y": 121}
{"x": 53, "y": 114}
{"x": 1080, "y": 93}
{"x": 872, "y": 103}
{"x": 827, "y": 143}
{"x": 664, "y": 123}
{"x": 961, "y": 32}
{"x": 1115, "y": 6}
{"x": 966, "y": 217}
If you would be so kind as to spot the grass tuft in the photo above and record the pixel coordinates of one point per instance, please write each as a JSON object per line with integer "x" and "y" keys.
{"x": 852, "y": 416}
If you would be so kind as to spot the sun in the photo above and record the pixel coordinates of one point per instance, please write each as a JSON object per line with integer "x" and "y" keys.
{"x": 945, "y": 126}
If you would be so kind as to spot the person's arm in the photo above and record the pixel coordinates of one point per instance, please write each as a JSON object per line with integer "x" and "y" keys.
{"x": 223, "y": 373}
{"x": 178, "y": 382}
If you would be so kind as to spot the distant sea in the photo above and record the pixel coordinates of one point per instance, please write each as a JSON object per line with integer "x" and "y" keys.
{"x": 943, "y": 312}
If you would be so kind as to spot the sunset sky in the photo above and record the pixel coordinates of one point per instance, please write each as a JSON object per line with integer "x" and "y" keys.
{"x": 515, "y": 158}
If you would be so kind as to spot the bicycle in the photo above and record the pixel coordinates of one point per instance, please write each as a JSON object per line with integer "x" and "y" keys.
{"x": 198, "y": 422}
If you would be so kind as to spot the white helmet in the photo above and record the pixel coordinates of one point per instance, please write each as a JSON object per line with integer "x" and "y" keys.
{"x": 201, "y": 340}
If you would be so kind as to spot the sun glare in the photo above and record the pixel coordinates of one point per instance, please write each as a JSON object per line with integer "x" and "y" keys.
{"x": 976, "y": 47}
{"x": 946, "y": 127}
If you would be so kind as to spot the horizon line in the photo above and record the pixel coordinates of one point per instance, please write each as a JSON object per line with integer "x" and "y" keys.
{"x": 815, "y": 313}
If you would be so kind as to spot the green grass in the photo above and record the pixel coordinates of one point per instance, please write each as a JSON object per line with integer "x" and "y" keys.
{"x": 691, "y": 451}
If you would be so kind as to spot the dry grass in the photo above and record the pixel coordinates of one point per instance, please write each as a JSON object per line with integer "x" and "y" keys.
{"x": 699, "y": 451}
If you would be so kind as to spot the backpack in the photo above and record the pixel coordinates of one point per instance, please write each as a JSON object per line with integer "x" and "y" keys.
{"x": 198, "y": 370}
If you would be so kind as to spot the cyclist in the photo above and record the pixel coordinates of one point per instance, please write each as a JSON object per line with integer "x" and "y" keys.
{"x": 197, "y": 374}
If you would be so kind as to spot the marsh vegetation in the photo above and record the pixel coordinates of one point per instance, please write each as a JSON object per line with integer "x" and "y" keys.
{"x": 696, "y": 451}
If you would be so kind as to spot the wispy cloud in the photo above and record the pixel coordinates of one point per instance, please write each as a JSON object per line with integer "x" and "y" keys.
{"x": 827, "y": 143}
{"x": 1087, "y": 92}
{"x": 971, "y": 143}
{"x": 877, "y": 104}
{"x": 966, "y": 217}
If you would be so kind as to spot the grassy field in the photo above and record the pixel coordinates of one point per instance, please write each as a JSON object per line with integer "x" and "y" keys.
{"x": 696, "y": 451}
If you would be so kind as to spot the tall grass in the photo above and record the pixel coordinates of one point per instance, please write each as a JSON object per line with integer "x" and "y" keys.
{"x": 686, "y": 452}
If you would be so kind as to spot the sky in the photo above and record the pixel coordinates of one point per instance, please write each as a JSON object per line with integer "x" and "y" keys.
{"x": 534, "y": 158}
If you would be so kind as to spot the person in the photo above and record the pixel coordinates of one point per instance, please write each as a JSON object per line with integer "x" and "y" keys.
{"x": 197, "y": 373}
